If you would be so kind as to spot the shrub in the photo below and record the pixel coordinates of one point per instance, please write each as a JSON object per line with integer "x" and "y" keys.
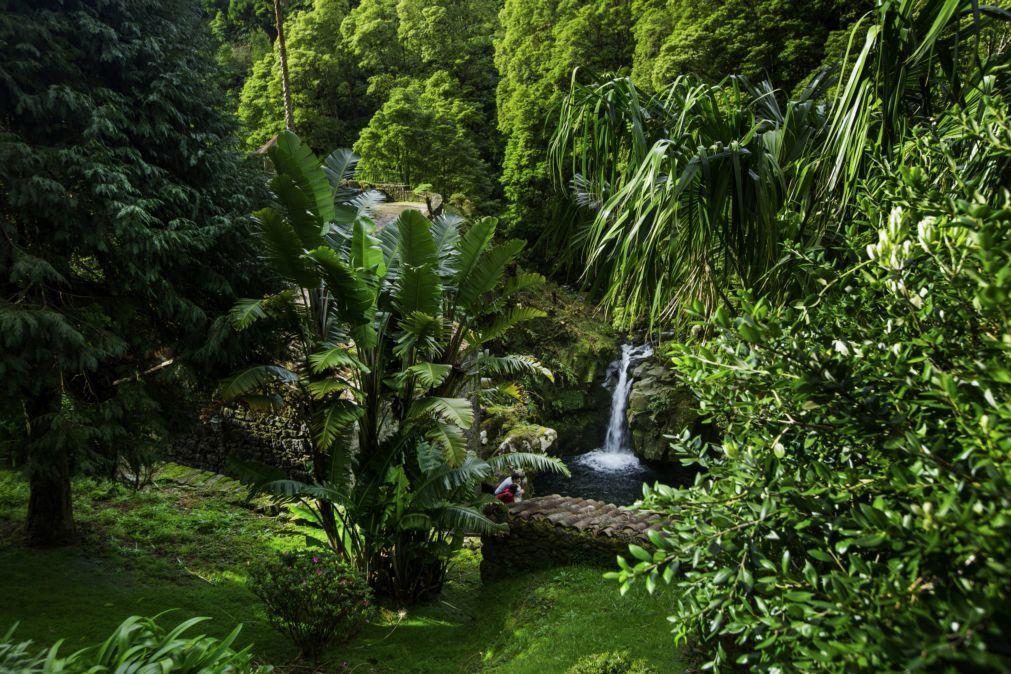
{"x": 855, "y": 516}
{"x": 611, "y": 663}
{"x": 311, "y": 596}
{"x": 137, "y": 645}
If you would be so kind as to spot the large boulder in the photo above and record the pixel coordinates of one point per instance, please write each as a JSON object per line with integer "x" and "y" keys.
{"x": 528, "y": 439}
{"x": 659, "y": 406}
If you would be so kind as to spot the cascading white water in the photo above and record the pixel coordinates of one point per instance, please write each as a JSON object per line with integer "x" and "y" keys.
{"x": 616, "y": 440}
{"x": 616, "y": 454}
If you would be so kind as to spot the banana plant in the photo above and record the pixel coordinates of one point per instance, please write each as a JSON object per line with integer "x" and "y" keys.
{"x": 391, "y": 333}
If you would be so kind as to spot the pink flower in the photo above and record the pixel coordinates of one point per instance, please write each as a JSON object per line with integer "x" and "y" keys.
{"x": 315, "y": 559}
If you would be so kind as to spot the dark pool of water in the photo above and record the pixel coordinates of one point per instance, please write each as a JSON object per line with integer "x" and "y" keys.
{"x": 612, "y": 477}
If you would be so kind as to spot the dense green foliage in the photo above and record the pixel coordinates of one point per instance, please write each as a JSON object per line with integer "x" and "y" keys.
{"x": 189, "y": 541}
{"x": 864, "y": 466}
{"x": 430, "y": 64}
{"x": 541, "y": 42}
{"x": 329, "y": 93}
{"x": 137, "y": 645}
{"x": 656, "y": 42}
{"x": 421, "y": 134}
{"x": 312, "y": 597}
{"x": 390, "y": 335}
{"x": 768, "y": 39}
{"x": 696, "y": 190}
{"x": 118, "y": 199}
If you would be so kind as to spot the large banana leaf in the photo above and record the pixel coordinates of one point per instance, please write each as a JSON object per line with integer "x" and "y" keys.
{"x": 298, "y": 207}
{"x": 419, "y": 290}
{"x": 293, "y": 158}
{"x": 539, "y": 463}
{"x": 466, "y": 519}
{"x": 332, "y": 421}
{"x": 419, "y": 332}
{"x": 366, "y": 252}
{"x": 486, "y": 275}
{"x": 427, "y": 375}
{"x": 284, "y": 249}
{"x": 506, "y": 322}
{"x": 457, "y": 411}
{"x": 472, "y": 246}
{"x": 336, "y": 357}
{"x": 352, "y": 295}
{"x": 416, "y": 244}
{"x": 451, "y": 440}
{"x": 439, "y": 484}
{"x": 340, "y": 166}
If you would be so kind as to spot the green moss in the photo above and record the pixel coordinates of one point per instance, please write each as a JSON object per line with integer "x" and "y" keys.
{"x": 187, "y": 542}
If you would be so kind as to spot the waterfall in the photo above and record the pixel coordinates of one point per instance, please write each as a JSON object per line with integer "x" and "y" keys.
{"x": 616, "y": 440}
{"x": 612, "y": 472}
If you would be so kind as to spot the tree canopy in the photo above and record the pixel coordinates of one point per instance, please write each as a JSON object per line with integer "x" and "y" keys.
{"x": 331, "y": 102}
{"x": 120, "y": 211}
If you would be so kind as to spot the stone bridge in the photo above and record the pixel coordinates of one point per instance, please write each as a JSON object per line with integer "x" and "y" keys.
{"x": 557, "y": 530}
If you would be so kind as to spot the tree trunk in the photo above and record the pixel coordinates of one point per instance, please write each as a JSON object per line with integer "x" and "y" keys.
{"x": 282, "y": 50}
{"x": 50, "y": 508}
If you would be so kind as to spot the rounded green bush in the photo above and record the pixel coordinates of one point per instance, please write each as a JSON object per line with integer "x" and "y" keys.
{"x": 611, "y": 663}
{"x": 311, "y": 596}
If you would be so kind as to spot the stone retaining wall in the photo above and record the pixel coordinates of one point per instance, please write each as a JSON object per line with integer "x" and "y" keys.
{"x": 225, "y": 432}
{"x": 558, "y": 530}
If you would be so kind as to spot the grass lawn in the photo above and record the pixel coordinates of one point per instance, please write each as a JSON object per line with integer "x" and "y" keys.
{"x": 187, "y": 543}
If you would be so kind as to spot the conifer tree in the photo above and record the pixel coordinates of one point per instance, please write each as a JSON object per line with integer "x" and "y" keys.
{"x": 118, "y": 186}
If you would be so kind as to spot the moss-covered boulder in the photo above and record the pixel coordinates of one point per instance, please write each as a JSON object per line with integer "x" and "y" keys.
{"x": 528, "y": 438}
{"x": 659, "y": 405}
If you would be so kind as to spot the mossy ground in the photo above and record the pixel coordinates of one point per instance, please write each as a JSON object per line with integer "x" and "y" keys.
{"x": 187, "y": 542}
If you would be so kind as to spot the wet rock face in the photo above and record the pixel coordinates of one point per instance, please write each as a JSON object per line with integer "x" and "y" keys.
{"x": 559, "y": 530}
{"x": 658, "y": 406}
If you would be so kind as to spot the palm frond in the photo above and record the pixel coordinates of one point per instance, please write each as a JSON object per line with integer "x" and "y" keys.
{"x": 248, "y": 311}
{"x": 509, "y": 366}
{"x": 506, "y": 322}
{"x": 255, "y": 379}
{"x": 539, "y": 463}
